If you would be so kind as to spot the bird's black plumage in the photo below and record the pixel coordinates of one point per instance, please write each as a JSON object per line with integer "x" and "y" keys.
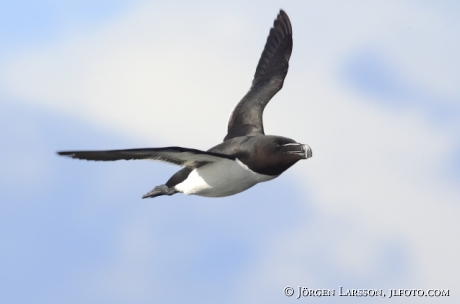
{"x": 184, "y": 157}
{"x": 246, "y": 118}
{"x": 246, "y": 156}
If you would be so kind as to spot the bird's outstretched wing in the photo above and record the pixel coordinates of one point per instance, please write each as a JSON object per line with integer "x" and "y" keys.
{"x": 184, "y": 157}
{"x": 246, "y": 118}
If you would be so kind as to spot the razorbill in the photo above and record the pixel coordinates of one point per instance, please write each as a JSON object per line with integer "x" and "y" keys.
{"x": 247, "y": 156}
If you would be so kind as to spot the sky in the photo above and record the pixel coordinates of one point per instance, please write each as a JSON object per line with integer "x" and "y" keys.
{"x": 372, "y": 88}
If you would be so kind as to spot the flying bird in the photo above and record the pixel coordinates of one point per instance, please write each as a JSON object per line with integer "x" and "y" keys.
{"x": 247, "y": 156}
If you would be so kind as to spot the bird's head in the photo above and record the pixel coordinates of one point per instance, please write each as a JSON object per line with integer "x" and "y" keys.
{"x": 275, "y": 154}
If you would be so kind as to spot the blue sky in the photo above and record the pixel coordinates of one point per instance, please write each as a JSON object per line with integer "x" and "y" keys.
{"x": 58, "y": 238}
{"x": 372, "y": 88}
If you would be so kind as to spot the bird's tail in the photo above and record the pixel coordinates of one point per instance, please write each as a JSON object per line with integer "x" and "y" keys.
{"x": 160, "y": 190}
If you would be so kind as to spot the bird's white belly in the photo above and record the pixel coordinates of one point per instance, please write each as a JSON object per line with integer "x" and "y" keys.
{"x": 223, "y": 178}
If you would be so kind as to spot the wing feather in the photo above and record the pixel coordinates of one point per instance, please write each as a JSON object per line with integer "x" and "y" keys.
{"x": 184, "y": 157}
{"x": 246, "y": 118}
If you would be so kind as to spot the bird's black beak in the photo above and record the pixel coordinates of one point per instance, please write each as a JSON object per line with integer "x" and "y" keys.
{"x": 307, "y": 151}
{"x": 304, "y": 151}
